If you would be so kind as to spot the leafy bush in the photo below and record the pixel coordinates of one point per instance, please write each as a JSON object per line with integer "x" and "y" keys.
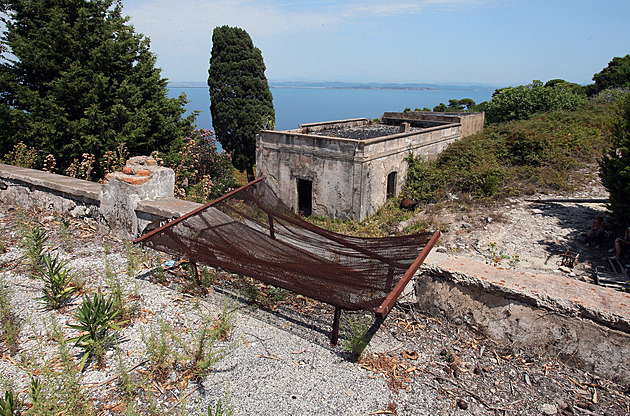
{"x": 539, "y": 154}
{"x": 522, "y": 102}
{"x": 202, "y": 173}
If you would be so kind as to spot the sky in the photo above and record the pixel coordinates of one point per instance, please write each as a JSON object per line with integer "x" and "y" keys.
{"x": 492, "y": 42}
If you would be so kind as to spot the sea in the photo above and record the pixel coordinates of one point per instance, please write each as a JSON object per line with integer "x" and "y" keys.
{"x": 298, "y": 105}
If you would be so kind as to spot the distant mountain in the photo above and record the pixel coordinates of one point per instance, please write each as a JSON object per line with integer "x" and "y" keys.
{"x": 356, "y": 86}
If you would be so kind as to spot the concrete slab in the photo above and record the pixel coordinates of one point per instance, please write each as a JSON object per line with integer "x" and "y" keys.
{"x": 606, "y": 306}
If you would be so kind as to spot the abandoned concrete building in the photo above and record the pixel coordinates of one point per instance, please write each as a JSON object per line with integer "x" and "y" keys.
{"x": 349, "y": 168}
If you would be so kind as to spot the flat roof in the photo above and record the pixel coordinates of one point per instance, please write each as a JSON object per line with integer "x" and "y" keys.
{"x": 364, "y": 132}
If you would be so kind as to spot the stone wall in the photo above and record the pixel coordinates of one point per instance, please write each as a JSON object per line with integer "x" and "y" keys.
{"x": 124, "y": 206}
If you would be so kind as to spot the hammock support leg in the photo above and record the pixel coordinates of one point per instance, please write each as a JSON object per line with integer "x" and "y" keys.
{"x": 194, "y": 271}
{"x": 334, "y": 338}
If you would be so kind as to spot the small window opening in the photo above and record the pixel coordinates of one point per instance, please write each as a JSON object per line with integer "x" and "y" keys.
{"x": 305, "y": 197}
{"x": 391, "y": 184}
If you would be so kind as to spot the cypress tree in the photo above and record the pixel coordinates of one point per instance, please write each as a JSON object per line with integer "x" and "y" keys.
{"x": 240, "y": 101}
{"x": 82, "y": 81}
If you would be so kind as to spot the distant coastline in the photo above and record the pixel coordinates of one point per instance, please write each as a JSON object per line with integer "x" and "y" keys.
{"x": 353, "y": 86}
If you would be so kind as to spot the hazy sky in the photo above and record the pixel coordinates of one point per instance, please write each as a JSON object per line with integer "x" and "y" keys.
{"x": 497, "y": 42}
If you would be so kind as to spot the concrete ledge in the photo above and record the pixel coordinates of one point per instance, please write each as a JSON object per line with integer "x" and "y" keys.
{"x": 585, "y": 323}
{"x": 44, "y": 180}
{"x": 167, "y": 207}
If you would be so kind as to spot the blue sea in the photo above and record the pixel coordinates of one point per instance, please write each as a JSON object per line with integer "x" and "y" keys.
{"x": 308, "y": 105}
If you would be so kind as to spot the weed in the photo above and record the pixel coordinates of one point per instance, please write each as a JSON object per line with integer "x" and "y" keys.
{"x": 221, "y": 409}
{"x": 160, "y": 350}
{"x": 135, "y": 256}
{"x": 34, "y": 242}
{"x": 126, "y": 383}
{"x": 223, "y": 325}
{"x": 9, "y": 323}
{"x": 57, "y": 389}
{"x": 200, "y": 350}
{"x": 96, "y": 318}
{"x": 356, "y": 339}
{"x": 119, "y": 295}
{"x": 65, "y": 234}
{"x": 57, "y": 280}
{"x": 10, "y": 405}
{"x": 248, "y": 288}
{"x": 495, "y": 257}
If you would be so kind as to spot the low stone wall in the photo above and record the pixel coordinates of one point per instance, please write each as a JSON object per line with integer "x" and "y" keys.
{"x": 586, "y": 324}
{"x": 125, "y": 206}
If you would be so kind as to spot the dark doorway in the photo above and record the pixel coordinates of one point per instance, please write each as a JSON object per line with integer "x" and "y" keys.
{"x": 305, "y": 197}
{"x": 392, "y": 178}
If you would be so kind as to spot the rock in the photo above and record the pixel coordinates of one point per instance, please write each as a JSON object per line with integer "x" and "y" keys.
{"x": 548, "y": 409}
{"x": 441, "y": 249}
{"x": 564, "y": 269}
{"x": 466, "y": 225}
{"x": 461, "y": 403}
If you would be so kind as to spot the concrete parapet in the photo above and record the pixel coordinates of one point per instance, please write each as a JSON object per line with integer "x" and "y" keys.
{"x": 124, "y": 206}
{"x": 584, "y": 323}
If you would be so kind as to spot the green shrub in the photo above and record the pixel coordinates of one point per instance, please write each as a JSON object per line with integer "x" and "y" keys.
{"x": 536, "y": 155}
{"x": 96, "y": 318}
{"x": 57, "y": 280}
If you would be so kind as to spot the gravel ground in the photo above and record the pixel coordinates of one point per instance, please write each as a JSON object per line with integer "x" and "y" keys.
{"x": 281, "y": 361}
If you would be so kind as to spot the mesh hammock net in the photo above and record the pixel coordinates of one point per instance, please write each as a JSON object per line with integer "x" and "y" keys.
{"x": 251, "y": 232}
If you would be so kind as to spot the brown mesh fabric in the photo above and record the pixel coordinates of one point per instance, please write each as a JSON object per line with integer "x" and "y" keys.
{"x": 251, "y": 232}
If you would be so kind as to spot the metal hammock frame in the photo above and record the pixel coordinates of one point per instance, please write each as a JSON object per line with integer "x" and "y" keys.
{"x": 249, "y": 231}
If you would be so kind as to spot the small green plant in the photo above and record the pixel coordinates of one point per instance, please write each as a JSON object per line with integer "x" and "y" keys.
{"x": 57, "y": 389}
{"x": 35, "y": 242}
{"x": 119, "y": 295}
{"x": 160, "y": 350}
{"x": 356, "y": 339}
{"x": 249, "y": 288}
{"x": 224, "y": 324}
{"x": 35, "y": 388}
{"x": 9, "y": 323}
{"x": 96, "y": 318}
{"x": 200, "y": 350}
{"x": 135, "y": 256}
{"x": 221, "y": 409}
{"x": 10, "y": 405}
{"x": 57, "y": 280}
{"x": 65, "y": 234}
{"x": 495, "y": 256}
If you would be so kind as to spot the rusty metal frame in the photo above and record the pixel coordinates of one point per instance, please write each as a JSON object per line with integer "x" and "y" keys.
{"x": 389, "y": 301}
{"x": 387, "y": 304}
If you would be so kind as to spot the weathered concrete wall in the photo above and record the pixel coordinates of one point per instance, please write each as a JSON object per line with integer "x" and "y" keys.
{"x": 124, "y": 206}
{"x": 308, "y": 128}
{"x": 284, "y": 157}
{"x": 385, "y": 155}
{"x": 584, "y": 323}
{"x": 471, "y": 122}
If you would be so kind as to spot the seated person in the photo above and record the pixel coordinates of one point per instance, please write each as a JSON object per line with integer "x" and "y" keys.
{"x": 622, "y": 244}
{"x": 597, "y": 233}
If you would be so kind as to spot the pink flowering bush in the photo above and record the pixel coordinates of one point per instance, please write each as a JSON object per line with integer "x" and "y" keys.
{"x": 203, "y": 174}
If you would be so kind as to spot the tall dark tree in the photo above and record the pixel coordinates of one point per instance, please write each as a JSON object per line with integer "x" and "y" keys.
{"x": 615, "y": 166}
{"x": 82, "y": 81}
{"x": 240, "y": 101}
